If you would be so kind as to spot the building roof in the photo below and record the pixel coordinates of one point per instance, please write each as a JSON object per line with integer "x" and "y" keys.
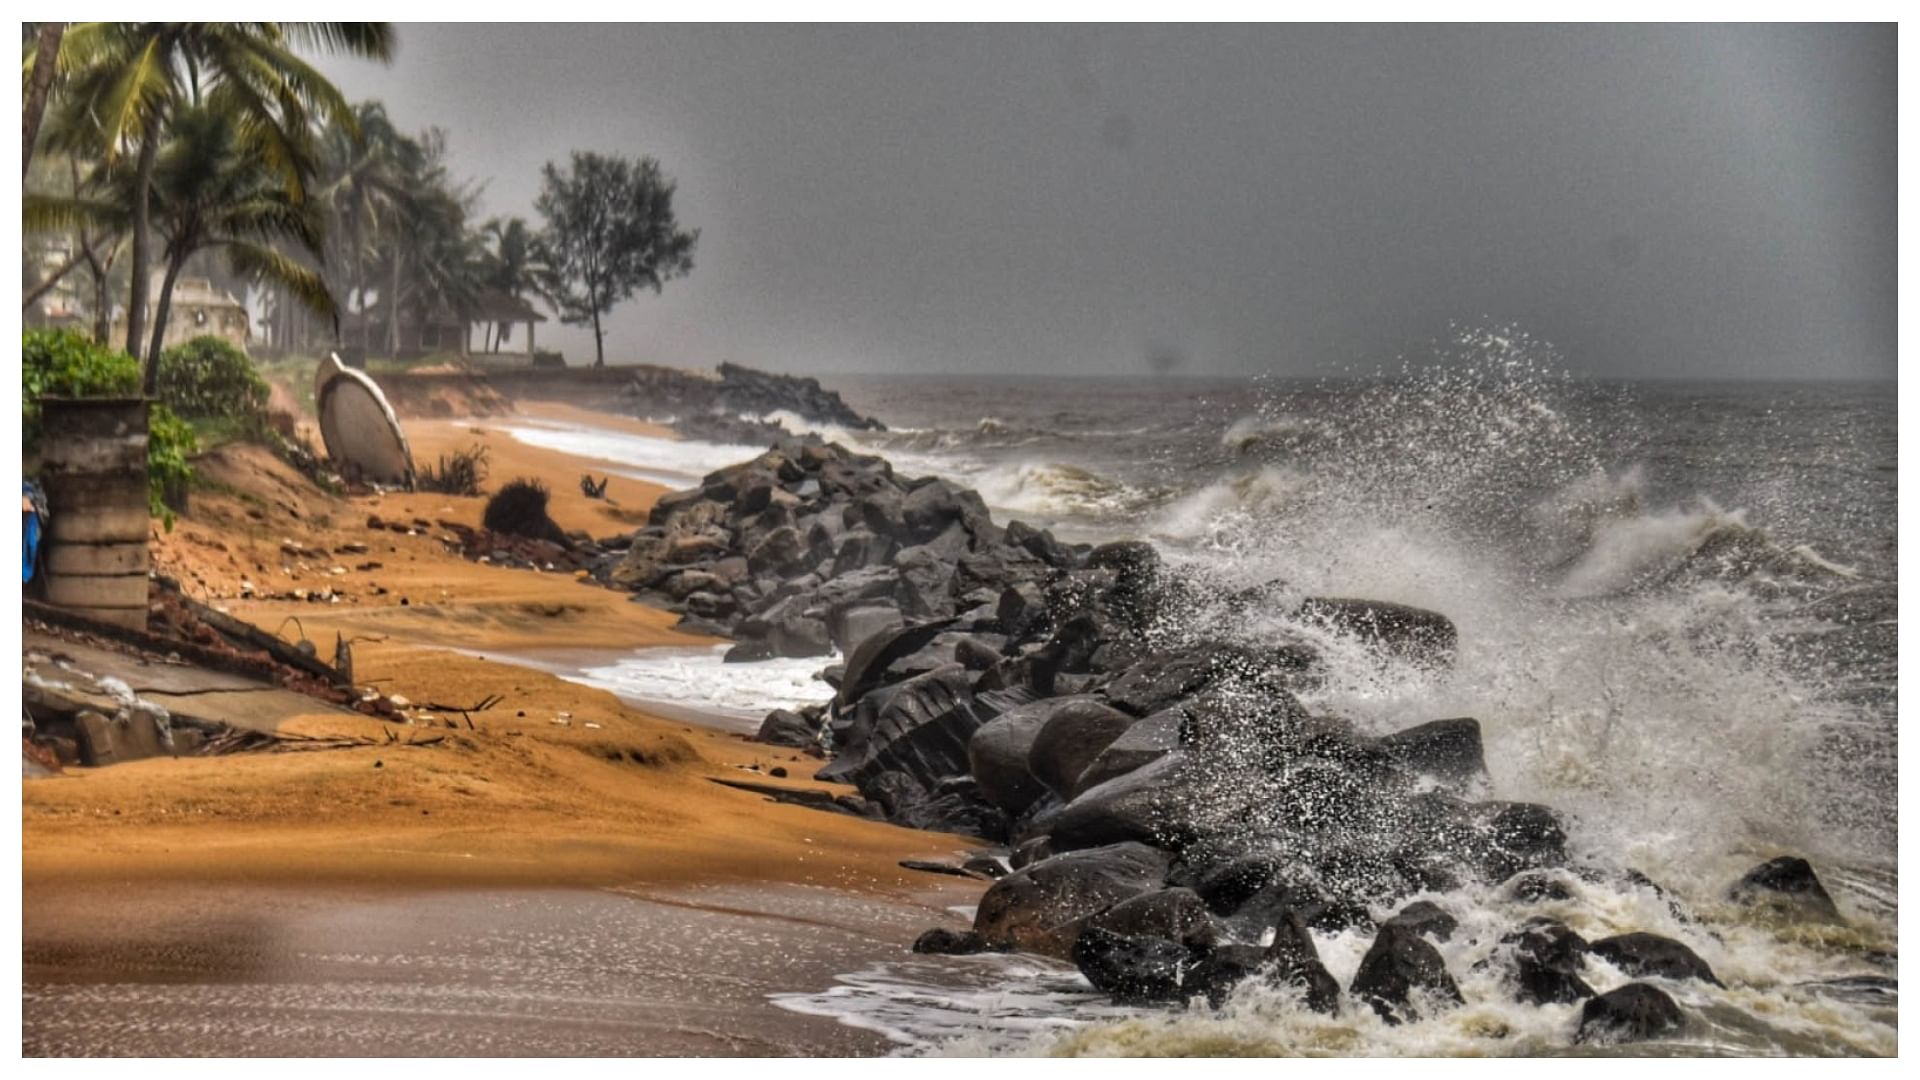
{"x": 199, "y": 292}
{"x": 490, "y": 306}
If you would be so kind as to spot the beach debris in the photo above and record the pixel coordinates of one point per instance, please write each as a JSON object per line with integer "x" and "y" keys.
{"x": 591, "y": 489}
{"x": 520, "y": 509}
{"x": 363, "y": 437}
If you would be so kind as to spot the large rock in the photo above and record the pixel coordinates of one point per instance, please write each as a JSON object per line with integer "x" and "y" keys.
{"x": 1447, "y": 750}
{"x": 1042, "y": 907}
{"x": 1788, "y": 883}
{"x": 1132, "y": 970}
{"x": 999, "y": 751}
{"x": 1073, "y": 735}
{"x": 1293, "y": 961}
{"x": 1143, "y": 743}
{"x": 1176, "y": 915}
{"x": 1409, "y": 633}
{"x": 784, "y": 727}
{"x": 1635, "y": 1012}
{"x": 1545, "y": 959}
{"x": 1399, "y": 963}
{"x": 920, "y": 727}
{"x": 1152, "y": 805}
{"x": 1642, "y": 955}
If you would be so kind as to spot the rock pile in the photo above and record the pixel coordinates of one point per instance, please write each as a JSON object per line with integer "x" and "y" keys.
{"x": 732, "y": 407}
{"x": 1177, "y": 820}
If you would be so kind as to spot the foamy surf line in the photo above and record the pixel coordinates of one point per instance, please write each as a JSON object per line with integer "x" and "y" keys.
{"x": 671, "y": 462}
{"x": 694, "y": 685}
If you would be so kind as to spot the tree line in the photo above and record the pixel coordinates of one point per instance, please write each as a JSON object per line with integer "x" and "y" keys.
{"x": 159, "y": 150}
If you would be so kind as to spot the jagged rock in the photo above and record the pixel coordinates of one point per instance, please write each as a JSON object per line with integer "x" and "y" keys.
{"x": 1030, "y": 851}
{"x": 1643, "y": 954}
{"x": 920, "y": 727}
{"x": 868, "y": 662}
{"x": 1399, "y": 963}
{"x": 1426, "y": 919}
{"x": 1538, "y": 886}
{"x": 1293, "y": 961}
{"x": 1041, "y": 907}
{"x": 1787, "y": 882}
{"x": 850, "y": 626}
{"x": 1448, "y": 750}
{"x": 1635, "y": 1012}
{"x": 1072, "y": 736}
{"x": 1409, "y": 633}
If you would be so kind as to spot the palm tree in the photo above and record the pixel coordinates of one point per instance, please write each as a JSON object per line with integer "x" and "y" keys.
{"x": 126, "y": 81}
{"x": 362, "y": 188}
{"x": 512, "y": 266}
{"x": 40, "y": 73}
{"x": 210, "y": 189}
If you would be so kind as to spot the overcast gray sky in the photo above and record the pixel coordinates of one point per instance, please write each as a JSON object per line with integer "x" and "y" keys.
{"x": 1706, "y": 201}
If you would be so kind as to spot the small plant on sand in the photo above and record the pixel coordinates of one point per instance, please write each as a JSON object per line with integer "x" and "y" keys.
{"x": 520, "y": 508}
{"x": 458, "y": 474}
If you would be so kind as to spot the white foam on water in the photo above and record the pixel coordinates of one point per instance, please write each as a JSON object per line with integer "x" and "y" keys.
{"x": 700, "y": 679}
{"x": 673, "y": 462}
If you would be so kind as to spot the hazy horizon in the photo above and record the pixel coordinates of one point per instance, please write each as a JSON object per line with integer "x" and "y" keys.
{"x": 1700, "y": 202}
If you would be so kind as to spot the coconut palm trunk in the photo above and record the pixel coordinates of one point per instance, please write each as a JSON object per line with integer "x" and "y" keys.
{"x": 162, "y": 308}
{"x": 140, "y": 256}
{"x": 46, "y": 60}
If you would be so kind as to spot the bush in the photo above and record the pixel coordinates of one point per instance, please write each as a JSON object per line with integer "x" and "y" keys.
{"x": 520, "y": 508}
{"x": 66, "y": 363}
{"x": 207, "y": 378}
{"x": 459, "y": 475}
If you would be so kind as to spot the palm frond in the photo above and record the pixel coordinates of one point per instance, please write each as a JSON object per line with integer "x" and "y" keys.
{"x": 301, "y": 282}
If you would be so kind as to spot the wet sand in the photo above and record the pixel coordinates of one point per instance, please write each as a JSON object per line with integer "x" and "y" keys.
{"x": 436, "y": 899}
{"x": 186, "y": 969}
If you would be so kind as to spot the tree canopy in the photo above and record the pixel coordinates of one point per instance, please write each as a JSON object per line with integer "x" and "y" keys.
{"x": 610, "y": 231}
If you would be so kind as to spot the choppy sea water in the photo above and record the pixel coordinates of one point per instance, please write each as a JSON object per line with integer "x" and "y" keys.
{"x": 1676, "y": 605}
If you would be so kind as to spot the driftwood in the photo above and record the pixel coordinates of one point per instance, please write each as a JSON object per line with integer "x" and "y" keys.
{"x": 245, "y": 633}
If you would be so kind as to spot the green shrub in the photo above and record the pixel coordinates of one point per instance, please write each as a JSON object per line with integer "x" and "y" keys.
{"x": 207, "y": 378}
{"x": 170, "y": 443}
{"x": 65, "y": 363}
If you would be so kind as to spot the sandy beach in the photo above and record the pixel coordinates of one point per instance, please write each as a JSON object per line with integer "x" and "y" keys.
{"x": 557, "y": 787}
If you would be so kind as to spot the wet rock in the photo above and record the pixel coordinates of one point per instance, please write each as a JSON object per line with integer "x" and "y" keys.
{"x": 1399, "y": 963}
{"x": 1408, "y": 633}
{"x": 1030, "y": 851}
{"x": 784, "y": 727}
{"x": 999, "y": 751}
{"x": 1151, "y": 805}
{"x": 1538, "y": 886}
{"x": 940, "y": 941}
{"x": 1143, "y": 743}
{"x": 1041, "y": 907}
{"x": 1072, "y": 736}
{"x": 1132, "y": 970}
{"x": 1650, "y": 955}
{"x": 1448, "y": 750}
{"x": 1635, "y": 1012}
{"x": 1426, "y": 919}
{"x": 1175, "y": 915}
{"x": 1788, "y": 883}
{"x": 1544, "y": 960}
{"x": 1292, "y": 960}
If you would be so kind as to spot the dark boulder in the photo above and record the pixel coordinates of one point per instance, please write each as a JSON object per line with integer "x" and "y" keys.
{"x": 1544, "y": 959}
{"x": 999, "y": 751}
{"x": 1426, "y": 919}
{"x": 1292, "y": 960}
{"x": 1409, "y": 633}
{"x": 940, "y": 941}
{"x": 1634, "y": 1013}
{"x": 1447, "y": 750}
{"x": 853, "y": 624}
{"x": 867, "y": 663}
{"x": 1175, "y": 915}
{"x": 1042, "y": 907}
{"x": 784, "y": 727}
{"x": 1788, "y": 883}
{"x": 1072, "y": 736}
{"x": 1642, "y": 955}
{"x": 1399, "y": 963}
{"x": 1143, "y": 743}
{"x": 1153, "y": 805}
{"x": 920, "y": 727}
{"x": 1538, "y": 887}
{"x": 1132, "y": 970}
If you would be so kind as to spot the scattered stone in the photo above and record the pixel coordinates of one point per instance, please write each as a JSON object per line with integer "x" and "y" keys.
{"x": 1650, "y": 955}
{"x": 1787, "y": 882}
{"x": 1635, "y": 1012}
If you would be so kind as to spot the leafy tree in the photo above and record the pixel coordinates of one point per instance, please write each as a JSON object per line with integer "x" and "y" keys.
{"x": 124, "y": 82}
{"x": 610, "y": 230}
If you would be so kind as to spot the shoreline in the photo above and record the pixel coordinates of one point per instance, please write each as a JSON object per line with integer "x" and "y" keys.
{"x": 562, "y": 786}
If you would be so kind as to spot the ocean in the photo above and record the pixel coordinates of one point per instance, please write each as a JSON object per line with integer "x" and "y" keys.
{"x": 1677, "y": 613}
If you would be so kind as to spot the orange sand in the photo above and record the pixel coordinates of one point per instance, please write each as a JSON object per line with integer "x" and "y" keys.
{"x": 514, "y": 799}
